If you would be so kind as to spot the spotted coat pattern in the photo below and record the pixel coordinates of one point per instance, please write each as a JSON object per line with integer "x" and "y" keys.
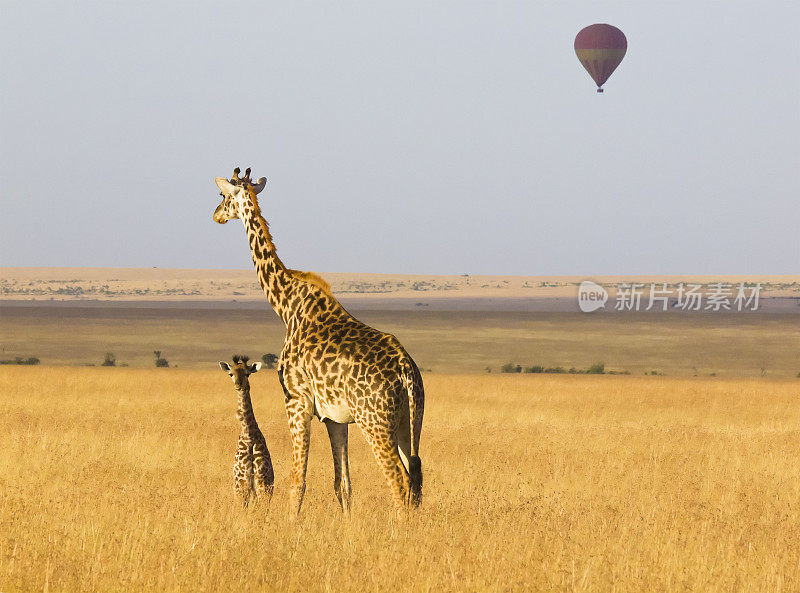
{"x": 252, "y": 468}
{"x": 333, "y": 367}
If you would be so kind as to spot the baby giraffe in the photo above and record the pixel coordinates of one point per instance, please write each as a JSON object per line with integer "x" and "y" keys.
{"x": 252, "y": 470}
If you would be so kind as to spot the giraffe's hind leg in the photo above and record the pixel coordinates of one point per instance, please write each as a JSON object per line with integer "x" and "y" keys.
{"x": 241, "y": 488}
{"x": 263, "y": 474}
{"x": 384, "y": 446}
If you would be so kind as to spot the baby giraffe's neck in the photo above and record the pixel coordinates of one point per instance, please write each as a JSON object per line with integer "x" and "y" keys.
{"x": 244, "y": 412}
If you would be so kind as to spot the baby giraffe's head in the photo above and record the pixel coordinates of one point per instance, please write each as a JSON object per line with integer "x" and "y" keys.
{"x": 237, "y": 194}
{"x": 240, "y": 371}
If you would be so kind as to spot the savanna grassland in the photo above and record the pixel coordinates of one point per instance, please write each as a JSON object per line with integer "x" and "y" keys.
{"x": 449, "y": 341}
{"x": 120, "y": 479}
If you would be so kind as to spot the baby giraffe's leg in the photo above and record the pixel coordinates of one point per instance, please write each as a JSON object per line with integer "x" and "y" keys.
{"x": 243, "y": 471}
{"x": 264, "y": 475}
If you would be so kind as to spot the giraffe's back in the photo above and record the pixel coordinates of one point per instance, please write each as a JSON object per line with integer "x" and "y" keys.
{"x": 348, "y": 366}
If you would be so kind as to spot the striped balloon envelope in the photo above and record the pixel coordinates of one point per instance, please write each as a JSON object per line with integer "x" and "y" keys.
{"x": 600, "y": 48}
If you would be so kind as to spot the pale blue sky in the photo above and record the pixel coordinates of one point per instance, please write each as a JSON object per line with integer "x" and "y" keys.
{"x": 405, "y": 137}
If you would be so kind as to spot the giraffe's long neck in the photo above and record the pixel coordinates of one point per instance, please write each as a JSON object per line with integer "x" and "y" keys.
{"x": 276, "y": 281}
{"x": 244, "y": 413}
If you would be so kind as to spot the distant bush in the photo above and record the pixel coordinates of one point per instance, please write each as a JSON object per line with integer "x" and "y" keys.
{"x": 654, "y": 373}
{"x": 555, "y": 370}
{"x": 269, "y": 360}
{"x": 160, "y": 360}
{"x": 598, "y": 368}
{"x": 110, "y": 360}
{"x": 19, "y": 360}
{"x": 534, "y": 369}
{"x": 510, "y": 367}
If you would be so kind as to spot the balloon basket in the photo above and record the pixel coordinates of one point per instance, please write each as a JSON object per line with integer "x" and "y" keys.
{"x": 599, "y": 90}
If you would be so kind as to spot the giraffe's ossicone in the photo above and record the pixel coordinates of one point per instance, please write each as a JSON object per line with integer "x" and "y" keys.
{"x": 332, "y": 366}
{"x": 252, "y": 466}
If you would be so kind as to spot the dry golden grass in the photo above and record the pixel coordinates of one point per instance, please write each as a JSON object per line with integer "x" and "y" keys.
{"x": 119, "y": 479}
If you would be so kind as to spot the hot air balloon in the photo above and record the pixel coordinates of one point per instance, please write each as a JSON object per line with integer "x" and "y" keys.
{"x": 600, "y": 48}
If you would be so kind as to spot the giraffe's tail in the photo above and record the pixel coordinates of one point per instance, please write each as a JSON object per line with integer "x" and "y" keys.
{"x": 416, "y": 408}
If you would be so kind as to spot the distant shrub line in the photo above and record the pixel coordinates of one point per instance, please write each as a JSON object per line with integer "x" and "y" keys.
{"x": 270, "y": 360}
{"x": 20, "y": 360}
{"x": 598, "y": 368}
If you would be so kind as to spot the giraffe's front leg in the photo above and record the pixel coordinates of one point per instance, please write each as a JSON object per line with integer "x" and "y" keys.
{"x": 337, "y": 433}
{"x": 243, "y": 471}
{"x": 298, "y": 412}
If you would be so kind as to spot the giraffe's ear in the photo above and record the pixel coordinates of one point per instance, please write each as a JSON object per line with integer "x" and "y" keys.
{"x": 225, "y": 186}
{"x": 225, "y": 366}
{"x": 254, "y": 368}
{"x": 259, "y": 185}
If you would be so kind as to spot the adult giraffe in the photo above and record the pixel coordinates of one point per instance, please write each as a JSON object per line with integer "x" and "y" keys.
{"x": 332, "y": 366}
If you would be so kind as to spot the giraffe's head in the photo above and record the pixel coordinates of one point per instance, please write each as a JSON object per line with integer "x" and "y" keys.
{"x": 237, "y": 194}
{"x": 240, "y": 371}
